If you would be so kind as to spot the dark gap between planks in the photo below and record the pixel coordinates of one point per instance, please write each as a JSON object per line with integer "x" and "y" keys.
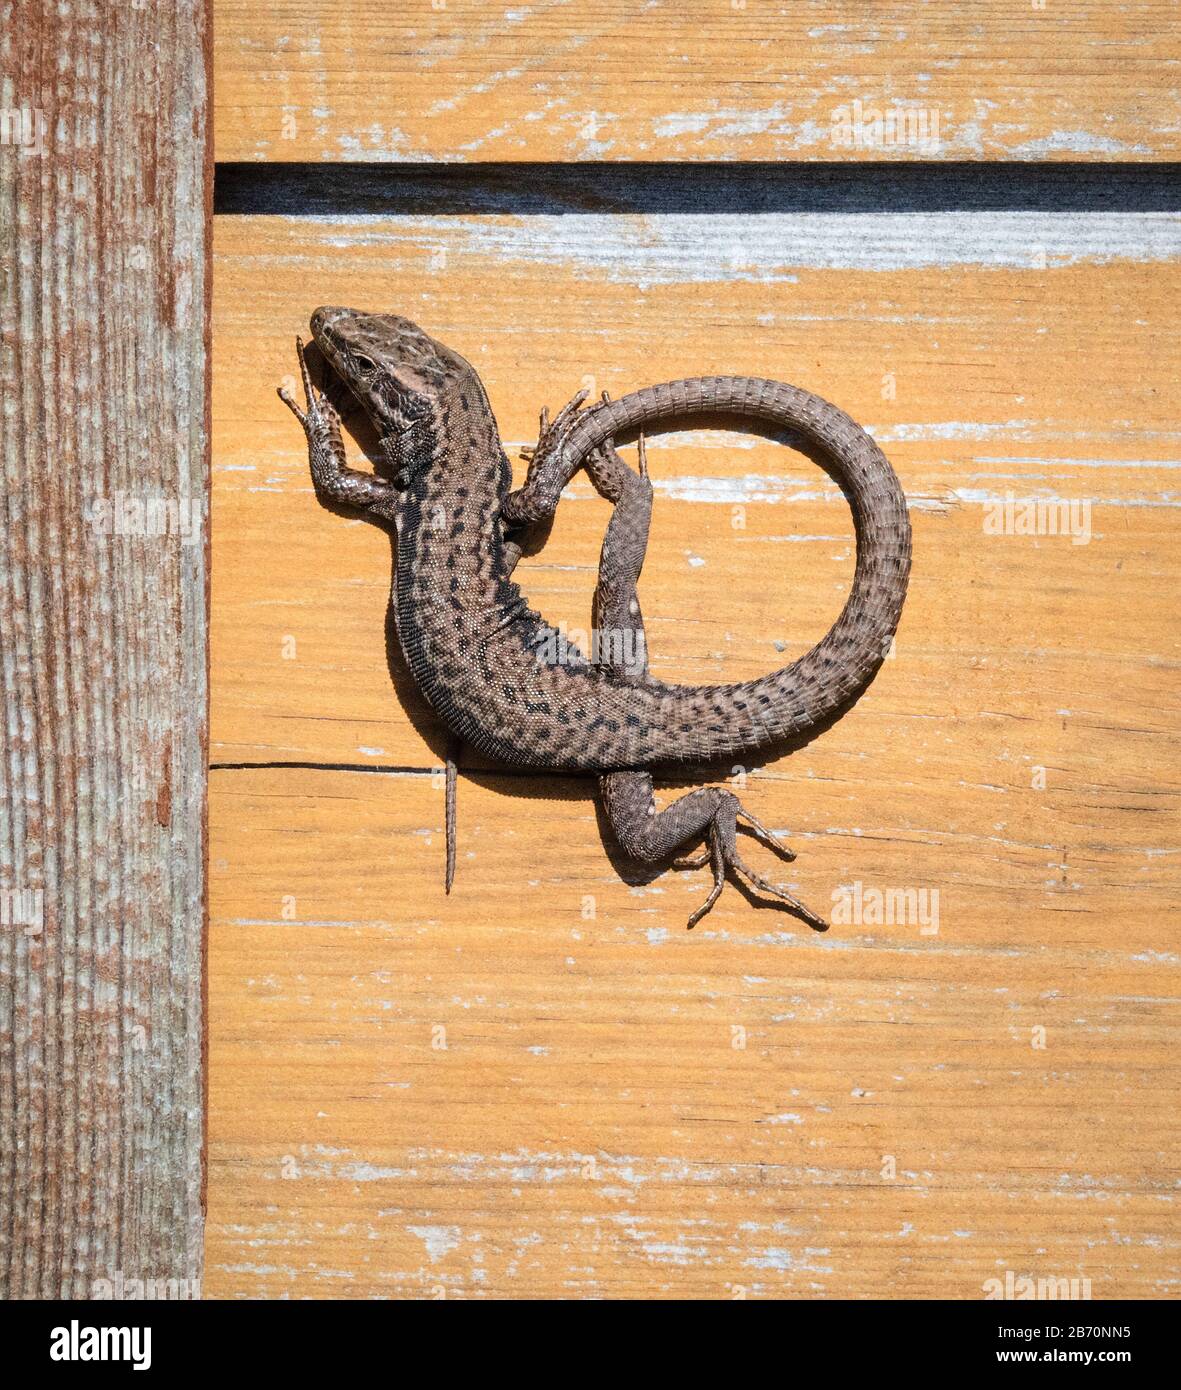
{"x": 463, "y": 189}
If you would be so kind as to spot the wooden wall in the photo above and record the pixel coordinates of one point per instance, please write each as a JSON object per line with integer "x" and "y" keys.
{"x": 542, "y": 1085}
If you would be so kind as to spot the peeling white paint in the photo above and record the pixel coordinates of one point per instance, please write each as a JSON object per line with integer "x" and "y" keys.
{"x": 751, "y": 487}
{"x": 437, "y": 1239}
{"x": 1076, "y": 142}
{"x": 767, "y": 248}
{"x": 949, "y": 429}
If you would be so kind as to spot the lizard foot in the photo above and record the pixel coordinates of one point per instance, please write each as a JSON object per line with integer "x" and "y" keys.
{"x": 722, "y": 853}
{"x": 609, "y": 472}
{"x": 550, "y": 434}
{"x": 538, "y": 497}
{"x": 334, "y": 481}
{"x": 650, "y": 836}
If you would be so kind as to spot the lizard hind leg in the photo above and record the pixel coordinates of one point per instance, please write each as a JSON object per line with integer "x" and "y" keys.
{"x": 643, "y": 832}
{"x": 649, "y": 835}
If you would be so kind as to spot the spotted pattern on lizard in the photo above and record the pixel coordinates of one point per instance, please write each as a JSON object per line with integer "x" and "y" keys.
{"x": 486, "y": 661}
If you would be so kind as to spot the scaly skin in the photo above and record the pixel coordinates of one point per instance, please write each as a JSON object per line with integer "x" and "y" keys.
{"x": 484, "y": 659}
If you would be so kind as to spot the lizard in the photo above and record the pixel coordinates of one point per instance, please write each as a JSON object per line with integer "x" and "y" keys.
{"x": 503, "y": 680}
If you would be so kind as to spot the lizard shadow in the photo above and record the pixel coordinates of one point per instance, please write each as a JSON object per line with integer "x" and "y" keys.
{"x": 560, "y": 785}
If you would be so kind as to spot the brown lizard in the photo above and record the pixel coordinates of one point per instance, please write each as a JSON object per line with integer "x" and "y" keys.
{"x": 505, "y": 681}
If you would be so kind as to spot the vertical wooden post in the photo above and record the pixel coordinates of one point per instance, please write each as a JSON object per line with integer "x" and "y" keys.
{"x": 104, "y": 217}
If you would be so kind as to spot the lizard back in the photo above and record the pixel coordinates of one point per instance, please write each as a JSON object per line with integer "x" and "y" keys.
{"x": 504, "y": 680}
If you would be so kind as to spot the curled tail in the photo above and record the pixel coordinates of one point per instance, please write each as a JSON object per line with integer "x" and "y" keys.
{"x": 704, "y": 722}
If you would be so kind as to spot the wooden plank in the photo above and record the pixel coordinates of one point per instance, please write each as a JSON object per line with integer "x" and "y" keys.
{"x": 495, "y": 1096}
{"x": 464, "y": 80}
{"x": 1017, "y": 757}
{"x": 956, "y": 366}
{"x": 103, "y": 449}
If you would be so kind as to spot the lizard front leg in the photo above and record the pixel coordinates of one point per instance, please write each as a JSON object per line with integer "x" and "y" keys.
{"x": 537, "y": 498}
{"x": 643, "y": 832}
{"x": 334, "y": 481}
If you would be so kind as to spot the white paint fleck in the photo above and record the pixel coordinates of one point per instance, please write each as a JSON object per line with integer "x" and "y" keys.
{"x": 1076, "y": 142}
{"x": 949, "y": 429}
{"x": 772, "y": 1259}
{"x": 437, "y": 1239}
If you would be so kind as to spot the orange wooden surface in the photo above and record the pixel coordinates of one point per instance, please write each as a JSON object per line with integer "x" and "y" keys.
{"x": 466, "y": 80}
{"x": 542, "y": 1085}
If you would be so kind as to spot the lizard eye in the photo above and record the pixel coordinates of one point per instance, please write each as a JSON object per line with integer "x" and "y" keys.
{"x": 364, "y": 364}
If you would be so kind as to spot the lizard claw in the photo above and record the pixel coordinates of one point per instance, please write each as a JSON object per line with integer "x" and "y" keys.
{"x": 569, "y": 410}
{"x": 717, "y": 854}
{"x": 550, "y": 432}
{"x": 308, "y": 390}
{"x": 293, "y": 405}
{"x": 319, "y": 412}
{"x": 725, "y": 856}
{"x": 777, "y": 891}
{"x": 722, "y": 851}
{"x": 768, "y": 837}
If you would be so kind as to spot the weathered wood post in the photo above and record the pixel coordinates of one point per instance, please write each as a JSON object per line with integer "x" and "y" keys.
{"x": 104, "y": 196}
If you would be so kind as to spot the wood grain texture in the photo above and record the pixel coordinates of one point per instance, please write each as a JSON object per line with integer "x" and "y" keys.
{"x": 542, "y": 1085}
{"x": 103, "y": 626}
{"x": 464, "y": 80}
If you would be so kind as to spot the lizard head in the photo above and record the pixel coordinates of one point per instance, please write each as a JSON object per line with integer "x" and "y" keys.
{"x": 394, "y": 369}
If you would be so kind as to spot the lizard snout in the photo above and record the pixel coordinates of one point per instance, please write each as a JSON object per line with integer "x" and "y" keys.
{"x": 327, "y": 315}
